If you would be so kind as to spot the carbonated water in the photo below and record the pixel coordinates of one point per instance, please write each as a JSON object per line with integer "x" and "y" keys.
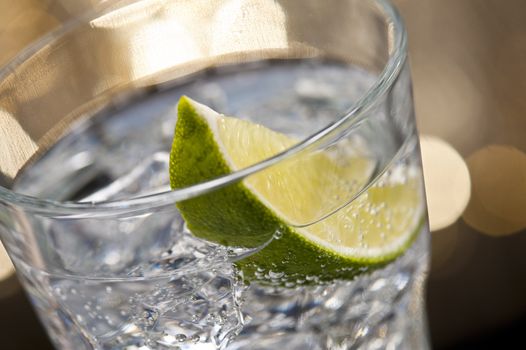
{"x": 166, "y": 289}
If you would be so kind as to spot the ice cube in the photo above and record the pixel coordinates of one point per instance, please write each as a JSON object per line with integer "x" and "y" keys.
{"x": 149, "y": 177}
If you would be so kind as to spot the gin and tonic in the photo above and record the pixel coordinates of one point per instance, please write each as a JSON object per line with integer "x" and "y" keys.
{"x": 217, "y": 175}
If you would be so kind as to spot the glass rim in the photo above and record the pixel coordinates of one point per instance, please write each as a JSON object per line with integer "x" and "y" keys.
{"x": 381, "y": 85}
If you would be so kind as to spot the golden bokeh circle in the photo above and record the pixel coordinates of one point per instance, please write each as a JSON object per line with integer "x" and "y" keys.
{"x": 447, "y": 182}
{"x": 498, "y": 202}
{"x": 6, "y": 267}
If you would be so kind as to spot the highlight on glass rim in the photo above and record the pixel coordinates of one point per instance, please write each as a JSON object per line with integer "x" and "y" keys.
{"x": 218, "y": 175}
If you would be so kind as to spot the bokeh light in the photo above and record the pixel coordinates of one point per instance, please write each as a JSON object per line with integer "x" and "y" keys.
{"x": 8, "y": 281}
{"x": 447, "y": 182}
{"x": 6, "y": 267}
{"x": 498, "y": 204}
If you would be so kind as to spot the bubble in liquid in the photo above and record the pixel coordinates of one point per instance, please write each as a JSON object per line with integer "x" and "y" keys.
{"x": 195, "y": 338}
{"x": 180, "y": 338}
{"x": 211, "y": 318}
{"x": 275, "y": 275}
{"x": 150, "y": 316}
{"x": 108, "y": 320}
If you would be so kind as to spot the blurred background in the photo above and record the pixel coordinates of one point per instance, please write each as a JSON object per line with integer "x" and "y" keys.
{"x": 468, "y": 60}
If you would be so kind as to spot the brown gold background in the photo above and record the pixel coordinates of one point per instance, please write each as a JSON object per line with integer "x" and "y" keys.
{"x": 468, "y": 60}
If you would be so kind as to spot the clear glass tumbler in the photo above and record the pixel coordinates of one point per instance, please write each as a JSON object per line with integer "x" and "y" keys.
{"x": 329, "y": 248}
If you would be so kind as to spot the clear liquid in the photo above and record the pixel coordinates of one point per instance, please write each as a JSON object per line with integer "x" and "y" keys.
{"x": 166, "y": 289}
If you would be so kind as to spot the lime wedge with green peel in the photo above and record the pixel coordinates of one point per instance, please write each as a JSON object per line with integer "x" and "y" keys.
{"x": 369, "y": 232}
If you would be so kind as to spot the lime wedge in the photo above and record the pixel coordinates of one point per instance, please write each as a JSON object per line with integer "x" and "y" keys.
{"x": 369, "y": 232}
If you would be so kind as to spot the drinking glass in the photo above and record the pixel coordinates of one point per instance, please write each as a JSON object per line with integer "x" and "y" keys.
{"x": 87, "y": 215}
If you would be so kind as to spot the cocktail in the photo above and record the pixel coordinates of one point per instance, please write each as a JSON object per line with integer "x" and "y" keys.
{"x": 217, "y": 175}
